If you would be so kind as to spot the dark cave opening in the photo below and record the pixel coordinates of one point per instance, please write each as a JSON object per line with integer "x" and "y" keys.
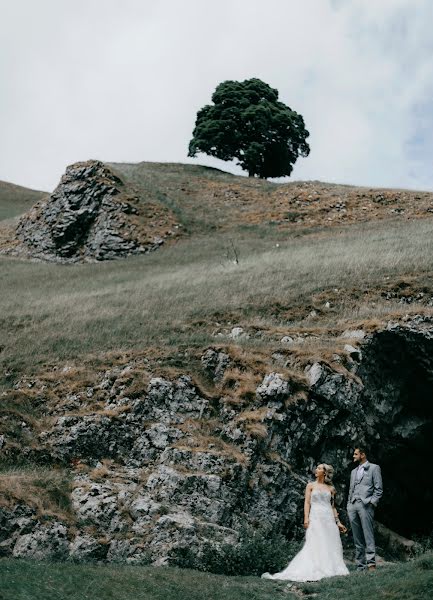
{"x": 397, "y": 373}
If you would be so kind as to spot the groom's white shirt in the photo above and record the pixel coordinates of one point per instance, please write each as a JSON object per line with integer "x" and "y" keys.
{"x": 359, "y": 472}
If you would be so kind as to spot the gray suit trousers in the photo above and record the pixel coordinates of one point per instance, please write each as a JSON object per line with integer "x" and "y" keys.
{"x": 361, "y": 519}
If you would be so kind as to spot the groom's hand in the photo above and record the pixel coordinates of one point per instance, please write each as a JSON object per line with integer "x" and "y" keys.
{"x": 306, "y": 523}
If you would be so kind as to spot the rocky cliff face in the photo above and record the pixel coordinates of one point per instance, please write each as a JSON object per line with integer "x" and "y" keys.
{"x": 158, "y": 465}
{"x": 92, "y": 215}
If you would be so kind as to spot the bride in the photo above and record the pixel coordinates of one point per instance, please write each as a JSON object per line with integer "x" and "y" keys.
{"x": 322, "y": 554}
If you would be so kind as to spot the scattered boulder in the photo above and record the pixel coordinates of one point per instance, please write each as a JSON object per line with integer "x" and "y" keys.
{"x": 238, "y": 333}
{"x": 336, "y": 387}
{"x": 396, "y": 545}
{"x": 355, "y": 334}
{"x": 280, "y": 359}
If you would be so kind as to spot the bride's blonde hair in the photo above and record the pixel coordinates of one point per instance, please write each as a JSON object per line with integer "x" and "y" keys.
{"x": 329, "y": 472}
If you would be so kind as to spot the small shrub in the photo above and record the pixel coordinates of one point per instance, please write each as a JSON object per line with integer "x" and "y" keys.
{"x": 425, "y": 563}
{"x": 57, "y": 489}
{"x": 256, "y": 553}
{"x": 292, "y": 216}
{"x": 424, "y": 543}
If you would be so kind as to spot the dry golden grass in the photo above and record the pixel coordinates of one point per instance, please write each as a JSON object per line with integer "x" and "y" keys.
{"x": 251, "y": 421}
{"x": 100, "y": 473}
{"x": 253, "y": 416}
{"x": 112, "y": 413}
{"x": 239, "y": 387}
{"x": 204, "y": 199}
{"x": 257, "y": 431}
{"x": 210, "y": 444}
{"x": 46, "y": 490}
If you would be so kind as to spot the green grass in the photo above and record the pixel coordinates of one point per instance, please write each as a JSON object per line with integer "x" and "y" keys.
{"x": 403, "y": 581}
{"x": 15, "y": 200}
{"x": 26, "y": 580}
{"x": 177, "y": 295}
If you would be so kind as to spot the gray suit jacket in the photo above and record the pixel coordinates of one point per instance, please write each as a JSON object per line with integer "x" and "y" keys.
{"x": 369, "y": 488}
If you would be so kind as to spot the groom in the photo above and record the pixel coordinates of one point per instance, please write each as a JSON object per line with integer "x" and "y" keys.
{"x": 365, "y": 492}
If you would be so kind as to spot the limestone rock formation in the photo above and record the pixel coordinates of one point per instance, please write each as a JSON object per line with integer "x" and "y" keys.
{"x": 215, "y": 362}
{"x": 45, "y": 541}
{"x": 92, "y": 215}
{"x": 159, "y": 466}
{"x": 274, "y": 388}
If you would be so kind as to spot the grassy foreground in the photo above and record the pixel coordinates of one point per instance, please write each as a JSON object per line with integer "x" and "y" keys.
{"x": 25, "y": 580}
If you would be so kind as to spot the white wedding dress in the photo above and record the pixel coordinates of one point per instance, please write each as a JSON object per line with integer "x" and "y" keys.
{"x": 322, "y": 554}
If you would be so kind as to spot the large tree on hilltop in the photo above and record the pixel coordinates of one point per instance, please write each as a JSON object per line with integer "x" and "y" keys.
{"x": 247, "y": 122}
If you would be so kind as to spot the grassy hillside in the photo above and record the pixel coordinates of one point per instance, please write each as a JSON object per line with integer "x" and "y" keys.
{"x": 186, "y": 293}
{"x": 271, "y": 280}
{"x": 306, "y": 260}
{"x": 206, "y": 200}
{"x": 14, "y": 199}
{"x": 22, "y": 580}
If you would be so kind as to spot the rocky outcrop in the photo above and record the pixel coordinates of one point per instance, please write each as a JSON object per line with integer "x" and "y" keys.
{"x": 397, "y": 373}
{"x": 92, "y": 215}
{"x": 161, "y": 466}
{"x": 398, "y": 546}
{"x": 47, "y": 541}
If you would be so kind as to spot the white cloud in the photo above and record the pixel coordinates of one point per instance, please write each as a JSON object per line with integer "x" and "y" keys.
{"x": 122, "y": 81}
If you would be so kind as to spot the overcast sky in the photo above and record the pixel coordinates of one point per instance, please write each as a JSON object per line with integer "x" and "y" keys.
{"x": 122, "y": 80}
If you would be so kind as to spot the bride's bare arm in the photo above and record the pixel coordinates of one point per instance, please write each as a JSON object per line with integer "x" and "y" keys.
{"x": 307, "y": 504}
{"x": 340, "y": 525}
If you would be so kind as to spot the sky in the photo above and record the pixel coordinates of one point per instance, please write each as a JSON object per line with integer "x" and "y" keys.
{"x": 122, "y": 81}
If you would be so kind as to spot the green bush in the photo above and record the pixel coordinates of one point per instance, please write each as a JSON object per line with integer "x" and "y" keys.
{"x": 424, "y": 543}
{"x": 255, "y": 553}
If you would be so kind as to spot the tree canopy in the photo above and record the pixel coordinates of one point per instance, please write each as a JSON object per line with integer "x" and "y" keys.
{"x": 247, "y": 122}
